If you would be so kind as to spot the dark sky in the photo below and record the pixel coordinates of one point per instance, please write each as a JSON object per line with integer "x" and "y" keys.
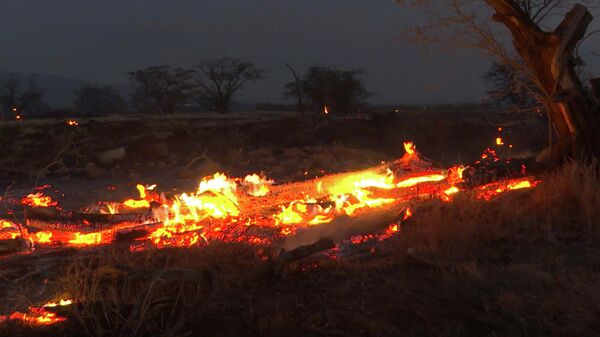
{"x": 100, "y": 40}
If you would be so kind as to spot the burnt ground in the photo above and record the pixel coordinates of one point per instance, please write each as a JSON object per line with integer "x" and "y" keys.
{"x": 525, "y": 264}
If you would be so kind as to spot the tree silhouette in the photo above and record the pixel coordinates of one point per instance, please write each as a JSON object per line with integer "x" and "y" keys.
{"x": 162, "y": 87}
{"x": 218, "y": 80}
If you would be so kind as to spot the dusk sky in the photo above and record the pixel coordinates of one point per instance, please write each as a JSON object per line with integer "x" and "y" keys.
{"x": 99, "y": 41}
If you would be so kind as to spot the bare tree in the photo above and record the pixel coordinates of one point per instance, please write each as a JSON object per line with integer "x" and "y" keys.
{"x": 295, "y": 89}
{"x": 219, "y": 80}
{"x": 15, "y": 100}
{"x": 164, "y": 87}
{"x": 545, "y": 57}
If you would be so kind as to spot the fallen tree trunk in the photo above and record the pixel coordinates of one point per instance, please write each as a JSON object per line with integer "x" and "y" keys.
{"x": 287, "y": 257}
{"x": 343, "y": 227}
{"x": 574, "y": 112}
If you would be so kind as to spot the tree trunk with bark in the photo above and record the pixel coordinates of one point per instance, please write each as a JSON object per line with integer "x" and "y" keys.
{"x": 550, "y": 56}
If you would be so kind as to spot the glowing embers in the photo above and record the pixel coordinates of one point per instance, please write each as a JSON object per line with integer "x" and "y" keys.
{"x": 491, "y": 190}
{"x": 215, "y": 198}
{"x": 89, "y": 239}
{"x": 69, "y": 238}
{"x": 363, "y": 187}
{"x": 359, "y": 181}
{"x": 163, "y": 237}
{"x": 38, "y": 315}
{"x": 308, "y": 213}
{"x": 412, "y": 159}
{"x": 421, "y": 178}
{"x": 9, "y": 230}
{"x": 38, "y": 200}
{"x": 456, "y": 175}
{"x": 72, "y": 122}
{"x": 42, "y": 237}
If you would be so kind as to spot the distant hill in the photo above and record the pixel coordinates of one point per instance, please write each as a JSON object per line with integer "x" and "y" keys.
{"x": 59, "y": 89}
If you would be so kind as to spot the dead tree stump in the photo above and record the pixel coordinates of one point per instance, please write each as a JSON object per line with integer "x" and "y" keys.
{"x": 574, "y": 112}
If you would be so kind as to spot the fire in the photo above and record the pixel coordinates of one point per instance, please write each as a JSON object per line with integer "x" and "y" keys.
{"x": 412, "y": 181}
{"x": 257, "y": 186}
{"x": 455, "y": 175}
{"x": 519, "y": 185}
{"x": 499, "y": 141}
{"x": 490, "y": 155}
{"x": 61, "y": 303}
{"x": 8, "y": 230}
{"x": 326, "y": 110}
{"x": 216, "y": 210}
{"x": 86, "y": 239}
{"x": 452, "y": 190}
{"x": 292, "y": 214}
{"x": 309, "y": 212}
{"x": 42, "y": 237}
{"x": 362, "y": 181}
{"x": 219, "y": 183}
{"x": 410, "y": 148}
{"x": 72, "y": 122}
{"x": 38, "y": 315}
{"x": 215, "y": 198}
{"x": 407, "y": 214}
{"x": 392, "y": 229}
{"x": 142, "y": 203}
{"x": 38, "y": 200}
{"x": 35, "y": 316}
{"x": 491, "y": 190}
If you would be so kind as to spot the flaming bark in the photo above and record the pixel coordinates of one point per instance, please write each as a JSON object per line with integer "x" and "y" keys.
{"x": 575, "y": 113}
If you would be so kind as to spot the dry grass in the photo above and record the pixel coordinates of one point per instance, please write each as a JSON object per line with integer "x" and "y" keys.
{"x": 565, "y": 207}
{"x": 524, "y": 264}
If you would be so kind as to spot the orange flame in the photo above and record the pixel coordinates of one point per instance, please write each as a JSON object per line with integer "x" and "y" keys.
{"x": 142, "y": 203}
{"x": 42, "y": 237}
{"x": 38, "y": 315}
{"x": 8, "y": 230}
{"x": 409, "y": 182}
{"x": 86, "y": 239}
{"x": 38, "y": 200}
{"x": 410, "y": 148}
{"x": 257, "y": 186}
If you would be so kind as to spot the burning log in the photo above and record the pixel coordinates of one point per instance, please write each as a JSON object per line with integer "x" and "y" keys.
{"x": 315, "y": 188}
{"x": 344, "y": 227}
{"x": 48, "y": 224}
{"x": 49, "y": 218}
